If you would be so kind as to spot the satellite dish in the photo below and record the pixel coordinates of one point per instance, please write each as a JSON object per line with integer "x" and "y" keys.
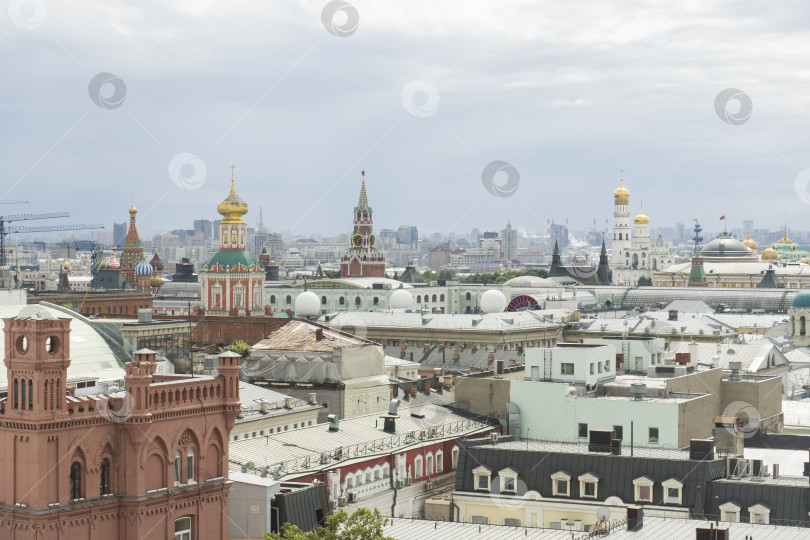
{"x": 603, "y": 514}
{"x": 731, "y": 351}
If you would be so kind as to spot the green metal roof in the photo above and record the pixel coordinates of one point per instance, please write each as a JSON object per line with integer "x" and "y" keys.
{"x": 228, "y": 258}
{"x": 802, "y": 300}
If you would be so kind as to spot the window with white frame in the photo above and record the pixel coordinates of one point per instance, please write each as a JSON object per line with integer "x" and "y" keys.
{"x": 566, "y": 368}
{"x": 729, "y": 512}
{"x": 561, "y": 484}
{"x": 588, "y": 485}
{"x": 482, "y": 477}
{"x": 508, "y": 479}
{"x": 673, "y": 491}
{"x": 417, "y": 467}
{"x": 643, "y": 489}
{"x": 439, "y": 461}
{"x": 429, "y": 464}
{"x": 454, "y": 457}
{"x": 759, "y": 514}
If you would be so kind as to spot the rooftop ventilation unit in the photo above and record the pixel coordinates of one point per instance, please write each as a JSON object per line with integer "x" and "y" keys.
{"x": 334, "y": 420}
{"x": 639, "y": 390}
{"x": 735, "y": 368}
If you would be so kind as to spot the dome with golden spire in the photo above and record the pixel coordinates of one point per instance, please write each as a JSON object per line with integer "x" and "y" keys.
{"x": 132, "y": 209}
{"x": 784, "y": 239}
{"x": 770, "y": 254}
{"x": 621, "y": 194}
{"x": 233, "y": 207}
{"x": 750, "y": 244}
{"x": 641, "y": 218}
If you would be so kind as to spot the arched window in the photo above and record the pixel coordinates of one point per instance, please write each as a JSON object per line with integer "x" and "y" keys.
{"x": 341, "y": 301}
{"x": 22, "y": 399}
{"x": 323, "y": 300}
{"x": 288, "y": 299}
{"x": 433, "y": 299}
{"x": 441, "y": 298}
{"x": 272, "y": 298}
{"x": 454, "y": 457}
{"x": 182, "y": 528}
{"x": 468, "y": 296}
{"x": 357, "y": 301}
{"x": 76, "y": 480}
{"x": 620, "y": 236}
{"x": 30, "y": 395}
{"x": 178, "y": 464}
{"x": 104, "y": 479}
{"x": 376, "y": 301}
{"x": 190, "y": 464}
{"x": 419, "y": 299}
{"x": 16, "y": 393}
{"x": 802, "y": 331}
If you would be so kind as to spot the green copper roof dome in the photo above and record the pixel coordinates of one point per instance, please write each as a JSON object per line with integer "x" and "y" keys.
{"x": 801, "y": 300}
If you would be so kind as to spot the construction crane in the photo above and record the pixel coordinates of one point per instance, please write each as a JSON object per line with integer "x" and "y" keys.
{"x": 5, "y": 230}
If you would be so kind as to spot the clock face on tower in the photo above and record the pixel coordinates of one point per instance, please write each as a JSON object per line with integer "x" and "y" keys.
{"x": 357, "y": 240}
{"x": 372, "y": 240}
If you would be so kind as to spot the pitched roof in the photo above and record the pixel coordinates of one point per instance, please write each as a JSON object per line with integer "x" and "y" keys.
{"x": 301, "y": 335}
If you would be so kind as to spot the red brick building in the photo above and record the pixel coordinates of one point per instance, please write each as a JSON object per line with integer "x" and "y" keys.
{"x": 150, "y": 462}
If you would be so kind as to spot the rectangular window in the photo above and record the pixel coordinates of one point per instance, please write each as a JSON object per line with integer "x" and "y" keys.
{"x": 590, "y": 489}
{"x": 618, "y": 432}
{"x": 480, "y": 520}
{"x": 653, "y": 435}
{"x": 562, "y": 487}
{"x": 567, "y": 368}
{"x": 483, "y": 483}
{"x": 582, "y": 431}
{"x": 644, "y": 493}
{"x": 673, "y": 495}
{"x": 512, "y": 522}
{"x": 509, "y": 484}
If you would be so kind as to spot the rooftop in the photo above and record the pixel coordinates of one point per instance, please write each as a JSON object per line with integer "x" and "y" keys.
{"x": 252, "y": 396}
{"x": 300, "y": 335}
{"x": 521, "y": 320}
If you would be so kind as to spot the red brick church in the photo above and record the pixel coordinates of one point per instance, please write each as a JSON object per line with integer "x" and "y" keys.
{"x": 147, "y": 462}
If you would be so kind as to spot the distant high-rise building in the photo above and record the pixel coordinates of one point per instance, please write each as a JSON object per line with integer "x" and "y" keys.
{"x": 559, "y": 234}
{"x": 680, "y": 232}
{"x": 275, "y": 246}
{"x": 408, "y": 237}
{"x": 388, "y": 237}
{"x": 119, "y": 233}
{"x": 748, "y": 225}
{"x": 203, "y": 226}
{"x": 509, "y": 242}
{"x": 216, "y": 229}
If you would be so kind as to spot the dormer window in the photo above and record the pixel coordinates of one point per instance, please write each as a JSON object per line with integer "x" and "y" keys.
{"x": 482, "y": 477}
{"x": 588, "y": 485}
{"x": 561, "y": 484}
{"x": 759, "y": 514}
{"x": 508, "y": 478}
{"x": 643, "y": 489}
{"x": 730, "y": 512}
{"x": 673, "y": 491}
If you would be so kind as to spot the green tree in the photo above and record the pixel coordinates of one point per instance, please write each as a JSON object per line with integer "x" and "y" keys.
{"x": 644, "y": 282}
{"x": 332, "y": 274}
{"x": 428, "y": 276}
{"x": 362, "y": 524}
{"x": 447, "y": 274}
{"x": 239, "y": 347}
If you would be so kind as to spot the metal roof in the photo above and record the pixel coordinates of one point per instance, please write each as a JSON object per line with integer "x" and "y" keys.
{"x": 654, "y": 529}
{"x": 521, "y": 320}
{"x": 316, "y": 448}
{"x": 252, "y": 395}
{"x": 301, "y": 336}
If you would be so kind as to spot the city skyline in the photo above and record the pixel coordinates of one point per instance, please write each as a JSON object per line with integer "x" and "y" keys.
{"x": 444, "y": 93}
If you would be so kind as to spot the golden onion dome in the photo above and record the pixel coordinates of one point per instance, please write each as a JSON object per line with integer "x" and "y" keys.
{"x": 641, "y": 218}
{"x": 156, "y": 281}
{"x": 233, "y": 207}
{"x": 621, "y": 194}
{"x": 750, "y": 244}
{"x": 770, "y": 254}
{"x": 784, "y": 240}
{"x": 132, "y": 209}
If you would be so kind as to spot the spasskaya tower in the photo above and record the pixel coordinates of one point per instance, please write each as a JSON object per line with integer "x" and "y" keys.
{"x": 361, "y": 258}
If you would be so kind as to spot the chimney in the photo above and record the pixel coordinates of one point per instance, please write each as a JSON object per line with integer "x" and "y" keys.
{"x": 402, "y": 351}
{"x": 427, "y": 387}
{"x": 639, "y": 390}
{"x": 427, "y": 347}
{"x": 673, "y": 314}
{"x": 635, "y": 518}
{"x": 312, "y": 398}
{"x": 456, "y": 354}
{"x": 491, "y": 357}
{"x": 319, "y": 334}
{"x": 735, "y": 368}
{"x": 264, "y": 406}
{"x": 693, "y": 352}
{"x": 288, "y": 403}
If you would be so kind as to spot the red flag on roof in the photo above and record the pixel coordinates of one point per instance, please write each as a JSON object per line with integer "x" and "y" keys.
{"x": 722, "y": 217}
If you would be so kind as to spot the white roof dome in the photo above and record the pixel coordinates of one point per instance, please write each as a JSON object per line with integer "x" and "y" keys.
{"x": 400, "y": 299}
{"x": 493, "y": 301}
{"x": 307, "y": 304}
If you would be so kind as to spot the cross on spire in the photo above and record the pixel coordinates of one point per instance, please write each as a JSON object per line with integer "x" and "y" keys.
{"x": 232, "y": 169}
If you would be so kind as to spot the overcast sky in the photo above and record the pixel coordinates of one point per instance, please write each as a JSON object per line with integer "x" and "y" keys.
{"x": 423, "y": 95}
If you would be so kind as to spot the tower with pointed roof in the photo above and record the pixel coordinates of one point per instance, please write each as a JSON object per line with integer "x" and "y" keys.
{"x": 232, "y": 279}
{"x": 133, "y": 250}
{"x": 697, "y": 276}
{"x": 361, "y": 258}
{"x": 621, "y": 224}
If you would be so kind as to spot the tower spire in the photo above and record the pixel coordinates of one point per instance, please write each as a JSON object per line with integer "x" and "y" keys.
{"x": 363, "y": 202}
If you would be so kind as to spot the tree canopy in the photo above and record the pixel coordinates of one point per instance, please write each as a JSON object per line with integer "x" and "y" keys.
{"x": 362, "y": 524}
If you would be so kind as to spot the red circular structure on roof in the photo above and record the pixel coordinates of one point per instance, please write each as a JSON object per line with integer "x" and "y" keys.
{"x": 522, "y": 302}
